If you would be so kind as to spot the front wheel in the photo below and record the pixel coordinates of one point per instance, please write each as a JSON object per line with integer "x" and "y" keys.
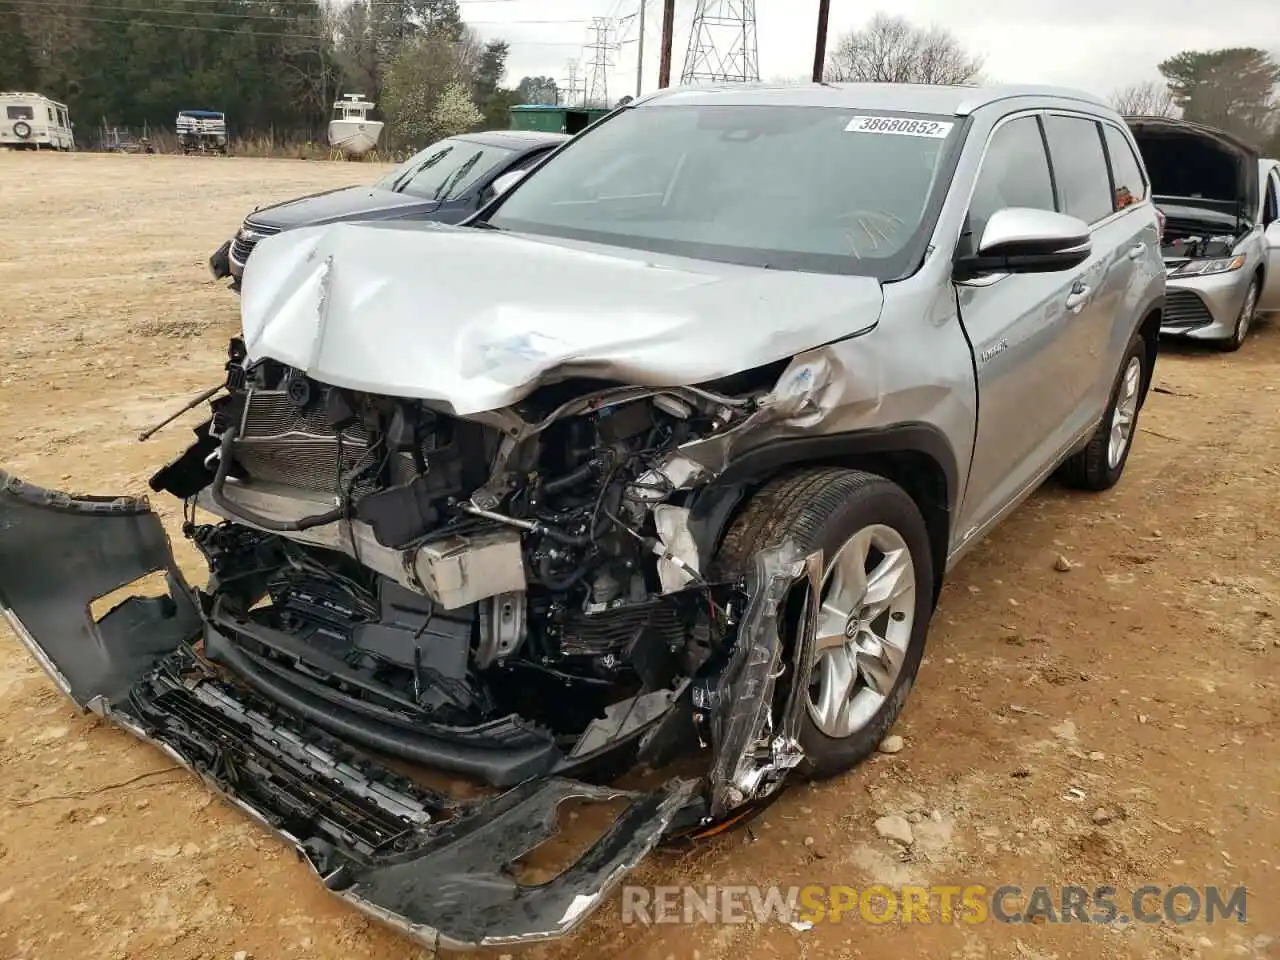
{"x": 1099, "y": 465}
{"x": 877, "y": 598}
{"x": 1244, "y": 321}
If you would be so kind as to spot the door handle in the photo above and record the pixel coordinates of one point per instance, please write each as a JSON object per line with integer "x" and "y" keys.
{"x": 1079, "y": 296}
{"x": 1136, "y": 251}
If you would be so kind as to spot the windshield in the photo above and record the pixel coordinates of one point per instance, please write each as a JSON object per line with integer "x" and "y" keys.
{"x": 803, "y": 188}
{"x": 445, "y": 170}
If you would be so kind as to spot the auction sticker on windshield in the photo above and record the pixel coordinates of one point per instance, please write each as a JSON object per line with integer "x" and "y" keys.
{"x": 903, "y": 126}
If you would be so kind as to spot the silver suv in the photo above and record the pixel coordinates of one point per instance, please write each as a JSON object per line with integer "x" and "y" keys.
{"x": 665, "y": 451}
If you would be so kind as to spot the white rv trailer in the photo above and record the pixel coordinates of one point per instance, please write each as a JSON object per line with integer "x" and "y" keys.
{"x": 31, "y": 121}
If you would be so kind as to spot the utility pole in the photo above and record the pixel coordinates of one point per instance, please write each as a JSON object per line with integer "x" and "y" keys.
{"x": 668, "y": 32}
{"x": 640, "y": 55}
{"x": 820, "y": 49}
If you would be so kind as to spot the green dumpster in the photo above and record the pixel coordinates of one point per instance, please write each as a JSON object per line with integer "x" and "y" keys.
{"x": 554, "y": 119}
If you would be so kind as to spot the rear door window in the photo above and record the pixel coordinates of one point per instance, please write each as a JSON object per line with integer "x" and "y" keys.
{"x": 1079, "y": 167}
{"x": 19, "y": 113}
{"x": 1129, "y": 185}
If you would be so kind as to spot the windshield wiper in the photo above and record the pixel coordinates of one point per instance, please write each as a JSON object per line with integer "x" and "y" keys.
{"x": 401, "y": 181}
{"x": 447, "y": 187}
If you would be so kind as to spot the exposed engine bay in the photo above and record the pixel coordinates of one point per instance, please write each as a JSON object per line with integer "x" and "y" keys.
{"x": 1181, "y": 243}
{"x": 1199, "y": 232}
{"x": 1203, "y": 183}
{"x": 526, "y": 597}
{"x": 500, "y": 596}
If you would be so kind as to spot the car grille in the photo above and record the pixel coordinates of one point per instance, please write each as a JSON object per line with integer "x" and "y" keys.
{"x": 279, "y": 443}
{"x": 1184, "y": 310}
{"x": 241, "y": 247}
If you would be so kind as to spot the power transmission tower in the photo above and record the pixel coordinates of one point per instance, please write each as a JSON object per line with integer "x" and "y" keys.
{"x": 722, "y": 43}
{"x": 572, "y": 87}
{"x": 598, "y": 85}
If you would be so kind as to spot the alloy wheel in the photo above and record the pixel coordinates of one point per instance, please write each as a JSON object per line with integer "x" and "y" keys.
{"x": 1247, "y": 311}
{"x": 864, "y": 629}
{"x": 1125, "y": 413}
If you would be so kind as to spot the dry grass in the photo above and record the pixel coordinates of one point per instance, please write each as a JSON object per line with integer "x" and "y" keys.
{"x": 278, "y": 148}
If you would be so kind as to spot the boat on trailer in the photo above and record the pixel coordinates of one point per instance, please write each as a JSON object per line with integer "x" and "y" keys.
{"x": 351, "y": 131}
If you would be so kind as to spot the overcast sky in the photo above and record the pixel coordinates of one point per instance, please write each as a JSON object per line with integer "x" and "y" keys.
{"x": 1098, "y": 45}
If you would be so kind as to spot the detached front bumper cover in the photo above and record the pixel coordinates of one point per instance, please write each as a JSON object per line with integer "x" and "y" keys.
{"x": 437, "y": 869}
{"x": 220, "y": 262}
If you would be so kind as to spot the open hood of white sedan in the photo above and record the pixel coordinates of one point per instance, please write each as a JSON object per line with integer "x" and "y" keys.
{"x": 476, "y": 320}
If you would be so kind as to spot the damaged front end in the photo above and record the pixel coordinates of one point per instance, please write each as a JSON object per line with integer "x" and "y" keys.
{"x": 526, "y": 598}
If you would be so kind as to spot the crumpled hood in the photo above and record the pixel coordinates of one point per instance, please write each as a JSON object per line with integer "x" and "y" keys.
{"x": 477, "y": 319}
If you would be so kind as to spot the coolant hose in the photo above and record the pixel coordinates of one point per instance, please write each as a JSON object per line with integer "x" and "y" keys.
{"x": 569, "y": 480}
{"x": 248, "y": 516}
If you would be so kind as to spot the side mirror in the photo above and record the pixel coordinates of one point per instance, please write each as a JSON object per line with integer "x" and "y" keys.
{"x": 1025, "y": 240}
{"x": 505, "y": 182}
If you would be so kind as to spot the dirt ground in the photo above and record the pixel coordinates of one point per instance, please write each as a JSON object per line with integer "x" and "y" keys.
{"x": 1114, "y": 723}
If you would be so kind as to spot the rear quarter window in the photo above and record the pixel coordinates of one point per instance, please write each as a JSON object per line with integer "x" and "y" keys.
{"x": 1079, "y": 167}
{"x": 1126, "y": 172}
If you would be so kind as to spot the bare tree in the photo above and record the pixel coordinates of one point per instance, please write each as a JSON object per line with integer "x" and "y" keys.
{"x": 890, "y": 49}
{"x": 1147, "y": 99}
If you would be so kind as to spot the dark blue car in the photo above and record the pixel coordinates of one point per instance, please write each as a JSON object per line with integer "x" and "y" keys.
{"x": 448, "y": 181}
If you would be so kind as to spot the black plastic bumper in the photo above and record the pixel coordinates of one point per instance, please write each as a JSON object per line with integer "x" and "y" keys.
{"x": 437, "y": 869}
{"x": 220, "y": 262}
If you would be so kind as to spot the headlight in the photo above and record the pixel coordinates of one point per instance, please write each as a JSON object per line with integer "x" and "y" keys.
{"x": 1205, "y": 268}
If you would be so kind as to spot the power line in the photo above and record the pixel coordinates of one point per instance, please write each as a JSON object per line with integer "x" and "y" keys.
{"x": 379, "y": 3}
{"x": 57, "y": 8}
{"x": 257, "y": 34}
{"x": 77, "y": 18}
{"x": 58, "y": 5}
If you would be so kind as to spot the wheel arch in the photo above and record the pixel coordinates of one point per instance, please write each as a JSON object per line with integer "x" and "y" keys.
{"x": 916, "y": 456}
{"x": 1149, "y": 331}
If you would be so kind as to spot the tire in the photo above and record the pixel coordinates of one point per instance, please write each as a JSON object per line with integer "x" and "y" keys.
{"x": 1094, "y": 468}
{"x": 823, "y": 508}
{"x": 1248, "y": 312}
